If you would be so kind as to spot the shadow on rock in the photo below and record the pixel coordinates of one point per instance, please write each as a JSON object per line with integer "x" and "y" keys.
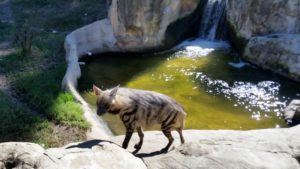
{"x": 89, "y": 144}
{"x": 145, "y": 155}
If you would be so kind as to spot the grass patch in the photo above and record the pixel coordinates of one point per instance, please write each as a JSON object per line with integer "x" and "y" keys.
{"x": 42, "y": 90}
{"x": 19, "y": 125}
{"x": 16, "y": 124}
{"x": 37, "y": 77}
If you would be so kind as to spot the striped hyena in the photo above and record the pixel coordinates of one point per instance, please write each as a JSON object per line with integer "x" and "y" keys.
{"x": 140, "y": 108}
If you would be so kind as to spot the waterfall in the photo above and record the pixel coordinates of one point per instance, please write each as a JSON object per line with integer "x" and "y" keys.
{"x": 212, "y": 20}
{"x": 211, "y": 33}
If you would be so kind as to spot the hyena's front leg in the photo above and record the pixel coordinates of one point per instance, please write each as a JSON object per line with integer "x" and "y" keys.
{"x": 129, "y": 131}
{"x": 141, "y": 135}
{"x": 166, "y": 127}
{"x": 168, "y": 134}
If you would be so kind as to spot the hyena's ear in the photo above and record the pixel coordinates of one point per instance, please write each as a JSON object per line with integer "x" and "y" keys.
{"x": 96, "y": 90}
{"x": 113, "y": 91}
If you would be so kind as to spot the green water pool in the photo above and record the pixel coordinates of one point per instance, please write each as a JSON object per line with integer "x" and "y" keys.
{"x": 214, "y": 94}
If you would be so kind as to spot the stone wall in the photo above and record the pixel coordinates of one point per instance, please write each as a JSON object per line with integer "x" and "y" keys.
{"x": 142, "y": 25}
{"x": 266, "y": 33}
{"x": 251, "y": 18}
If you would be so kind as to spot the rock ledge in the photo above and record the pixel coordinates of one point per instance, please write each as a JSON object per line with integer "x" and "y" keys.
{"x": 267, "y": 148}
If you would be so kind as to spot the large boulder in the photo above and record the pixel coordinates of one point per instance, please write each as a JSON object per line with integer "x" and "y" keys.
{"x": 19, "y": 155}
{"x": 152, "y": 24}
{"x": 277, "y": 52}
{"x": 250, "y": 18}
{"x": 252, "y": 25}
{"x": 90, "y": 154}
{"x": 268, "y": 149}
{"x": 292, "y": 112}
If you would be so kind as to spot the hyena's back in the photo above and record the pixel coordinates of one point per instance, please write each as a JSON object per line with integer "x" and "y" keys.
{"x": 148, "y": 108}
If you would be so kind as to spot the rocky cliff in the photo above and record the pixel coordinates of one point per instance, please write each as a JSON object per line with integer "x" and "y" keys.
{"x": 277, "y": 52}
{"x": 292, "y": 112}
{"x": 253, "y": 25}
{"x": 152, "y": 24}
{"x": 250, "y": 18}
{"x": 268, "y": 149}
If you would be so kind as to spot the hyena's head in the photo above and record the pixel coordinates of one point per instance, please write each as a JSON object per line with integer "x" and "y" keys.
{"x": 104, "y": 98}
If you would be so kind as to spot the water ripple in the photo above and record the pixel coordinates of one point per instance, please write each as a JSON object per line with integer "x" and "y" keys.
{"x": 256, "y": 98}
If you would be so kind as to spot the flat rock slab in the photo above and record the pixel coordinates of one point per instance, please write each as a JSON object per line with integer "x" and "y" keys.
{"x": 268, "y": 149}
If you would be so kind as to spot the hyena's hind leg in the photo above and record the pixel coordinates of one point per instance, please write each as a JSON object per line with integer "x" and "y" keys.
{"x": 168, "y": 134}
{"x": 179, "y": 129}
{"x": 181, "y": 136}
{"x": 141, "y": 135}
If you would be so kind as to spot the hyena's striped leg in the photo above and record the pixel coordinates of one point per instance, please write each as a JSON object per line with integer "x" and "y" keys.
{"x": 168, "y": 134}
{"x": 141, "y": 135}
{"x": 129, "y": 132}
{"x": 181, "y": 136}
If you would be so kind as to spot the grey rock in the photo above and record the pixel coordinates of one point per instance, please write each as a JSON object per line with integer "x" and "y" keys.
{"x": 256, "y": 17}
{"x": 19, "y": 155}
{"x": 145, "y": 25}
{"x": 277, "y": 52}
{"x": 292, "y": 112}
{"x": 257, "y": 21}
{"x": 267, "y": 148}
{"x": 91, "y": 154}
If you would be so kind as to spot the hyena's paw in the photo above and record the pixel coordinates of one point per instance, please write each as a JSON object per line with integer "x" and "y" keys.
{"x": 164, "y": 150}
{"x": 137, "y": 146}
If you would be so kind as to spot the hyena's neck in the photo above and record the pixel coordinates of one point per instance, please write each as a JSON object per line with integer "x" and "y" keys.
{"x": 118, "y": 105}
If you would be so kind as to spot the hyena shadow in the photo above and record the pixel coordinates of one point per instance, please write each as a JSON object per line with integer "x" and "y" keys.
{"x": 89, "y": 144}
{"x": 145, "y": 155}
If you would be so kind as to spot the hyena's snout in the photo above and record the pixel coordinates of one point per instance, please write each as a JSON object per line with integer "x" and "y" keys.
{"x": 101, "y": 110}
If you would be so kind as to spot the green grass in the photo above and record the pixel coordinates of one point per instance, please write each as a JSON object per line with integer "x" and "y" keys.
{"x": 40, "y": 87}
{"x": 19, "y": 125}
{"x": 42, "y": 90}
{"x": 37, "y": 77}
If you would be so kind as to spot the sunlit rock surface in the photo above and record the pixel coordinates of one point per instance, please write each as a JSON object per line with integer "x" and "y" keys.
{"x": 292, "y": 112}
{"x": 253, "y": 24}
{"x": 251, "y": 18}
{"x": 278, "y": 52}
{"x": 143, "y": 25}
{"x": 91, "y": 154}
{"x": 268, "y": 149}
